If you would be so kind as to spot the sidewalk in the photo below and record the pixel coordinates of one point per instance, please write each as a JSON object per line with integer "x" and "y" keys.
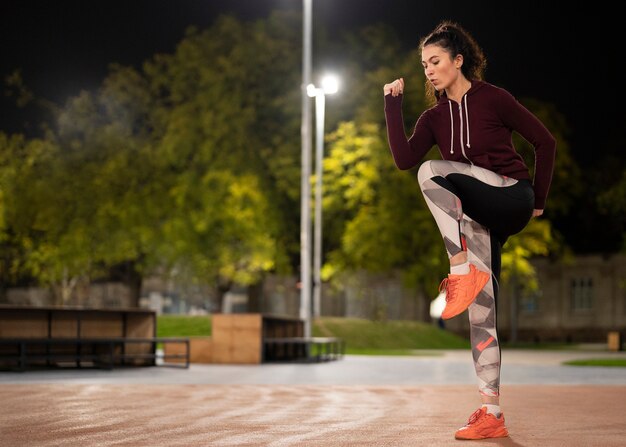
{"x": 357, "y": 401}
{"x": 446, "y": 367}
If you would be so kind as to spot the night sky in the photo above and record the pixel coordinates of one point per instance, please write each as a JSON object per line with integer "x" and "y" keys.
{"x": 566, "y": 55}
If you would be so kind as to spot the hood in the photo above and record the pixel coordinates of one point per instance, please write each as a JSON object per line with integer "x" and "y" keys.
{"x": 476, "y": 85}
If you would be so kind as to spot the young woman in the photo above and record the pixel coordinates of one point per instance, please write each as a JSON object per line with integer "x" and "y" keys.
{"x": 479, "y": 194}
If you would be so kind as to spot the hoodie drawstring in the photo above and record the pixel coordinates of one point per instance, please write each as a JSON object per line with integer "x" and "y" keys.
{"x": 461, "y": 130}
{"x": 451, "y": 129}
{"x": 461, "y": 119}
{"x": 467, "y": 121}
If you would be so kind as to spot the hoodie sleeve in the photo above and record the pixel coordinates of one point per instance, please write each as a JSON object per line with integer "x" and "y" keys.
{"x": 406, "y": 153}
{"x": 520, "y": 119}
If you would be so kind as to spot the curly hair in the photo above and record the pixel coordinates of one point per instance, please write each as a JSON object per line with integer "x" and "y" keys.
{"x": 455, "y": 40}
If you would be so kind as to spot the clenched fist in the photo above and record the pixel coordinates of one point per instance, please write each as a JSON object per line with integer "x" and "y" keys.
{"x": 395, "y": 88}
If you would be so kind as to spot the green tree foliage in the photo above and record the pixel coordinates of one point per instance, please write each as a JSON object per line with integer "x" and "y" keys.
{"x": 34, "y": 222}
{"x": 191, "y": 166}
{"x": 66, "y": 214}
{"x": 535, "y": 240}
{"x": 227, "y": 146}
{"x": 375, "y": 215}
{"x": 172, "y": 166}
{"x": 21, "y": 162}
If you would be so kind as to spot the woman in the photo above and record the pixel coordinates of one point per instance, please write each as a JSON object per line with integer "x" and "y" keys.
{"x": 479, "y": 194}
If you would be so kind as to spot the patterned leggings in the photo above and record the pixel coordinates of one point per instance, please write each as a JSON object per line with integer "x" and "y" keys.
{"x": 476, "y": 210}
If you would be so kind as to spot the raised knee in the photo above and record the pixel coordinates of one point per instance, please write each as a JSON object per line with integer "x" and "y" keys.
{"x": 425, "y": 171}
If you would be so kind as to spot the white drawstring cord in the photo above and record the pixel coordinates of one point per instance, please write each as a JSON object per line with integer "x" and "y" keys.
{"x": 451, "y": 129}
{"x": 467, "y": 121}
{"x": 461, "y": 119}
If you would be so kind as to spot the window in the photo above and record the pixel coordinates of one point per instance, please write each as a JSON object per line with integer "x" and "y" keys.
{"x": 581, "y": 292}
{"x": 530, "y": 302}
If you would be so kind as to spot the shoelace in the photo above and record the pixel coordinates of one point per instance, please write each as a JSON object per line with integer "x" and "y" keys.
{"x": 449, "y": 285}
{"x": 476, "y": 415}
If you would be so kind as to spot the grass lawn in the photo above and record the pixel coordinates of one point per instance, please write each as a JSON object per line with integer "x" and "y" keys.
{"x": 365, "y": 337}
{"x": 597, "y": 362}
{"x": 361, "y": 336}
{"x": 387, "y": 338}
{"x": 183, "y": 325}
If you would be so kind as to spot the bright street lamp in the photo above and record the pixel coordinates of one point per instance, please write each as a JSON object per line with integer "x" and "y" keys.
{"x": 330, "y": 85}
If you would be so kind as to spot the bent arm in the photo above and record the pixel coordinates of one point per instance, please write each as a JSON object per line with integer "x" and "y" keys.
{"x": 521, "y": 120}
{"x": 406, "y": 153}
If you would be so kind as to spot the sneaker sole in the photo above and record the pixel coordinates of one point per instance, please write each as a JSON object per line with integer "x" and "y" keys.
{"x": 500, "y": 433}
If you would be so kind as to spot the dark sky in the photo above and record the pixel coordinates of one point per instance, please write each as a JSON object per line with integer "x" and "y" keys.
{"x": 565, "y": 55}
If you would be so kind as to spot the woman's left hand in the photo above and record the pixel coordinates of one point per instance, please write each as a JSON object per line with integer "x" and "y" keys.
{"x": 537, "y": 213}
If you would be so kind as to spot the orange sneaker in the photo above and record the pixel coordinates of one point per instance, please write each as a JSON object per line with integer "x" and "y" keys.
{"x": 483, "y": 425}
{"x": 462, "y": 290}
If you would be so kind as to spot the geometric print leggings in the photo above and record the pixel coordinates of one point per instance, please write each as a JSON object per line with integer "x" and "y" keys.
{"x": 476, "y": 210}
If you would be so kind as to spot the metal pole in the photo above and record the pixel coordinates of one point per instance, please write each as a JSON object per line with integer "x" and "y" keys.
{"x": 320, "y": 104}
{"x": 305, "y": 192}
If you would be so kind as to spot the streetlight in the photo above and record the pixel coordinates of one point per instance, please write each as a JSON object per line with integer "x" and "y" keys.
{"x": 330, "y": 85}
{"x": 305, "y": 193}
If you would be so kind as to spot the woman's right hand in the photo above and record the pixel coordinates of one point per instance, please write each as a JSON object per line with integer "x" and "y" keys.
{"x": 395, "y": 88}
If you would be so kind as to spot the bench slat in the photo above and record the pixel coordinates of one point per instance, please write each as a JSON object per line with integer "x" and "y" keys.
{"x": 21, "y": 358}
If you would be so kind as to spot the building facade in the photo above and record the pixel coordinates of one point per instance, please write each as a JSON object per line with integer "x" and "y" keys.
{"x": 579, "y": 301}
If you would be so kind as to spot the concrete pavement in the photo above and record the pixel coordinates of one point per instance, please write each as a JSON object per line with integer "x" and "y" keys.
{"x": 356, "y": 401}
{"x": 446, "y": 367}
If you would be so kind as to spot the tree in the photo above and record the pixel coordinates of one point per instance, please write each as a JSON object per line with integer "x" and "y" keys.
{"x": 36, "y": 222}
{"x": 17, "y": 160}
{"x": 374, "y": 215}
{"x": 83, "y": 207}
{"x": 221, "y": 233}
{"x": 225, "y": 117}
{"x": 173, "y": 166}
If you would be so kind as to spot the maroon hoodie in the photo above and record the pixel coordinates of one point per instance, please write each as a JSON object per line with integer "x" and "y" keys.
{"x": 476, "y": 131}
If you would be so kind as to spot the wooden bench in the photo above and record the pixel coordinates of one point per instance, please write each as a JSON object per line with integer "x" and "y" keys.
{"x": 33, "y": 337}
{"x": 29, "y": 353}
{"x": 258, "y": 338}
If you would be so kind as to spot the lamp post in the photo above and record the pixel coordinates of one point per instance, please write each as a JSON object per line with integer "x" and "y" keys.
{"x": 305, "y": 193}
{"x": 330, "y": 85}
